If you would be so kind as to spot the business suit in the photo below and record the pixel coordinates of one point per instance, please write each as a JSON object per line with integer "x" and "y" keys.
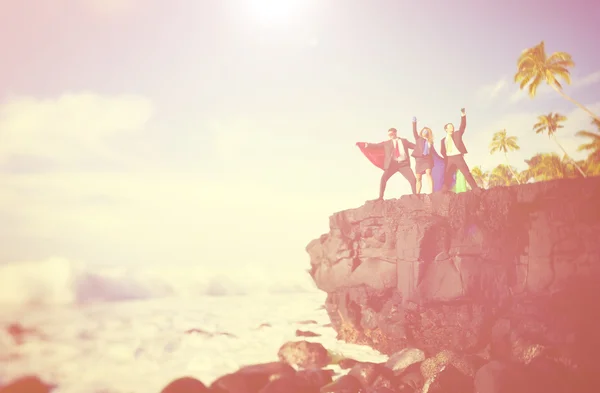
{"x": 391, "y": 164}
{"x": 455, "y": 160}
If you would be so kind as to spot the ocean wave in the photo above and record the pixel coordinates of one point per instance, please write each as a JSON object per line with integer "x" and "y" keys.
{"x": 58, "y": 281}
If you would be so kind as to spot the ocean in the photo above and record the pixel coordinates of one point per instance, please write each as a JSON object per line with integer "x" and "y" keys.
{"x": 115, "y": 332}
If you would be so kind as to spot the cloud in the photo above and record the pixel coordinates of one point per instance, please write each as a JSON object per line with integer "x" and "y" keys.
{"x": 520, "y": 95}
{"x": 588, "y": 80}
{"x": 70, "y": 128}
{"x": 492, "y": 90}
{"x": 520, "y": 124}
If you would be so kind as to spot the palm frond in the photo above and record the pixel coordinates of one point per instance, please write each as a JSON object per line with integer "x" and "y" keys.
{"x": 561, "y": 58}
{"x": 588, "y": 146}
{"x": 535, "y": 83}
{"x": 551, "y": 79}
{"x": 588, "y": 134}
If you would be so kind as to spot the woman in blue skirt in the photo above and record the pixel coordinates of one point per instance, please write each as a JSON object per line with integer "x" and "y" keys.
{"x": 424, "y": 153}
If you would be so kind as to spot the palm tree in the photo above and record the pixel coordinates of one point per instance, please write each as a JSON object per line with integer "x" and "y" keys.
{"x": 550, "y": 123}
{"x": 524, "y": 176}
{"x": 502, "y": 175}
{"x": 591, "y": 167}
{"x": 502, "y": 142}
{"x": 534, "y": 67}
{"x": 549, "y": 166}
{"x": 594, "y": 145}
{"x": 481, "y": 177}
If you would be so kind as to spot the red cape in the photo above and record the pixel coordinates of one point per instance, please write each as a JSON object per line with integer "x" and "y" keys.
{"x": 376, "y": 156}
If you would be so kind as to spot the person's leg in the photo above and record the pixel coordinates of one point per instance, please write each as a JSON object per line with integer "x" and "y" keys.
{"x": 385, "y": 177}
{"x": 418, "y": 176}
{"x": 428, "y": 177}
{"x": 464, "y": 168}
{"x": 449, "y": 173}
{"x": 408, "y": 173}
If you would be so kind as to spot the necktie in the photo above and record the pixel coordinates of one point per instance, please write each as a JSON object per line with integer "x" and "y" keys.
{"x": 426, "y": 148}
{"x": 449, "y": 144}
{"x": 397, "y": 150}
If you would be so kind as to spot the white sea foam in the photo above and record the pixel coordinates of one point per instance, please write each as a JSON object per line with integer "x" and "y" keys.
{"x": 122, "y": 330}
{"x": 141, "y": 345}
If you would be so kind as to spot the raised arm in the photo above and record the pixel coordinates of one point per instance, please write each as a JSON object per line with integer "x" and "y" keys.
{"x": 415, "y": 133}
{"x": 374, "y": 145}
{"x": 463, "y": 121}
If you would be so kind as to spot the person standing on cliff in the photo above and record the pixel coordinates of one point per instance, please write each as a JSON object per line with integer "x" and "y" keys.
{"x": 395, "y": 159}
{"x": 424, "y": 153}
{"x": 453, "y": 150}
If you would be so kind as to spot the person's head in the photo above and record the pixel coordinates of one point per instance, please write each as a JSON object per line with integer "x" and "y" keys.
{"x": 449, "y": 128}
{"x": 427, "y": 134}
{"x": 392, "y": 133}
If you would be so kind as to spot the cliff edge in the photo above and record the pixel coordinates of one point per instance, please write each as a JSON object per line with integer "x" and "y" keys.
{"x": 503, "y": 273}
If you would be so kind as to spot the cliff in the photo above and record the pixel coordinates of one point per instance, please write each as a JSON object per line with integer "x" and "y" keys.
{"x": 503, "y": 273}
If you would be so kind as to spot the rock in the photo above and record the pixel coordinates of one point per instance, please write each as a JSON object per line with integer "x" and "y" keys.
{"x": 449, "y": 379}
{"x": 19, "y": 333}
{"x": 381, "y": 390}
{"x": 307, "y": 322}
{"x": 367, "y": 373}
{"x": 347, "y": 363}
{"x": 27, "y": 384}
{"x": 442, "y": 282}
{"x": 289, "y": 384}
{"x": 226, "y": 334}
{"x": 399, "y": 361}
{"x": 411, "y": 379}
{"x": 302, "y": 333}
{"x": 251, "y": 379}
{"x": 316, "y": 377}
{"x": 511, "y": 269}
{"x": 432, "y": 366}
{"x": 185, "y": 385}
{"x": 208, "y": 334}
{"x": 304, "y": 381}
{"x": 547, "y": 376}
{"x": 304, "y": 354}
{"x": 498, "y": 377}
{"x": 344, "y": 384}
{"x": 199, "y": 332}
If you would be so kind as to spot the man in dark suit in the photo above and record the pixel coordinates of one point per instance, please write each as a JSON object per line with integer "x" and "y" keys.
{"x": 396, "y": 159}
{"x": 453, "y": 150}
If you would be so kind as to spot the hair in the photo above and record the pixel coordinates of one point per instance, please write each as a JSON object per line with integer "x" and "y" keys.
{"x": 429, "y": 134}
{"x": 393, "y": 130}
{"x": 448, "y": 124}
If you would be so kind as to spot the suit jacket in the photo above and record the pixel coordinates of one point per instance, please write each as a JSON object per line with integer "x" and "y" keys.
{"x": 388, "y": 148}
{"x": 457, "y": 138}
{"x": 420, "y": 143}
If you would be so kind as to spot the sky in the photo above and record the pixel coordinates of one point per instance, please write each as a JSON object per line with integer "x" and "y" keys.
{"x": 222, "y": 133}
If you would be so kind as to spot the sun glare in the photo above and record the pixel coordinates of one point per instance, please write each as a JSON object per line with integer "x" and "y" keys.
{"x": 273, "y": 11}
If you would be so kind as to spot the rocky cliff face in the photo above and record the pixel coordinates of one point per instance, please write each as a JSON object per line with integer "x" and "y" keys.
{"x": 505, "y": 273}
